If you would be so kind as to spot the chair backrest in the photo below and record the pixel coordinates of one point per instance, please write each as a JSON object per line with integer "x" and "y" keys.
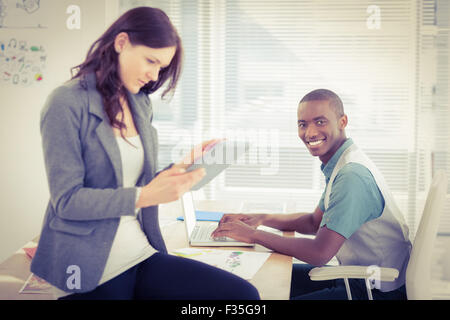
{"x": 419, "y": 267}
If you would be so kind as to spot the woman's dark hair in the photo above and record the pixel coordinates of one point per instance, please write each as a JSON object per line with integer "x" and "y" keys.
{"x": 146, "y": 26}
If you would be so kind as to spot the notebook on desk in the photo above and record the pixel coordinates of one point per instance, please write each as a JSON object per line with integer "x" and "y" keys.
{"x": 200, "y": 234}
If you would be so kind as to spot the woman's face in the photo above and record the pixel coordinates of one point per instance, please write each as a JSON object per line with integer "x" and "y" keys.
{"x": 139, "y": 64}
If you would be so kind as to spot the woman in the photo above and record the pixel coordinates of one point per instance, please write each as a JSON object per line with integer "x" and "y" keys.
{"x": 100, "y": 237}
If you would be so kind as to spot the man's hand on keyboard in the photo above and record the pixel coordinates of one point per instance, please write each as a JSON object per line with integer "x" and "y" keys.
{"x": 236, "y": 229}
{"x": 253, "y": 220}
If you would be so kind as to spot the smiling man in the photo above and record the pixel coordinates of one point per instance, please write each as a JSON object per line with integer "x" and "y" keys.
{"x": 321, "y": 123}
{"x": 356, "y": 219}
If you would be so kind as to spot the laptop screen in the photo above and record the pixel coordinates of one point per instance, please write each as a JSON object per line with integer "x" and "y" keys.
{"x": 189, "y": 212}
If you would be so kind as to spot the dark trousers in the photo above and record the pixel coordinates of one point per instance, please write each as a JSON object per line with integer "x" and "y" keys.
{"x": 167, "y": 277}
{"x": 303, "y": 288}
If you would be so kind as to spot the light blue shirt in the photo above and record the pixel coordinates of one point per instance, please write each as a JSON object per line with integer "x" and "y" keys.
{"x": 355, "y": 197}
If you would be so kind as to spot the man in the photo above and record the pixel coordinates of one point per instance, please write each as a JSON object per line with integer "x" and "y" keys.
{"x": 356, "y": 220}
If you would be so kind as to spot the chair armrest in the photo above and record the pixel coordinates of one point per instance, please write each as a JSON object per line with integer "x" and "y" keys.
{"x": 353, "y": 272}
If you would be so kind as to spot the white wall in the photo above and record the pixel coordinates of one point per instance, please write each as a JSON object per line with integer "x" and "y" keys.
{"x": 23, "y": 184}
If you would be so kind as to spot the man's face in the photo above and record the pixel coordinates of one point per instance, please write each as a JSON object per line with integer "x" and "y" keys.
{"x": 320, "y": 128}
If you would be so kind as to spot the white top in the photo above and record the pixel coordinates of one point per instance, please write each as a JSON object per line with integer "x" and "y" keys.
{"x": 130, "y": 245}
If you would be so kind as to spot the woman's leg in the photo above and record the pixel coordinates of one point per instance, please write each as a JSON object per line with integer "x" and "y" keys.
{"x": 163, "y": 276}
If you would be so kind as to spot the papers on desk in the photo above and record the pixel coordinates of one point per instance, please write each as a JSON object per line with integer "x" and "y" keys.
{"x": 33, "y": 284}
{"x": 244, "y": 264}
{"x": 29, "y": 249}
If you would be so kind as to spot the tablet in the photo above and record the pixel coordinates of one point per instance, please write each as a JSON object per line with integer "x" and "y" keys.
{"x": 216, "y": 158}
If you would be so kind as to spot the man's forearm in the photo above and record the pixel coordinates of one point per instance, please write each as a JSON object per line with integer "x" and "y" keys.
{"x": 300, "y": 222}
{"x": 301, "y": 248}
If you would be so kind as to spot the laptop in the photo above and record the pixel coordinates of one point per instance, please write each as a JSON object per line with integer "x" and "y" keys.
{"x": 200, "y": 234}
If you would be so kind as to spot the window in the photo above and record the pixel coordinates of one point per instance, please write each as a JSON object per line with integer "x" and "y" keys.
{"x": 249, "y": 62}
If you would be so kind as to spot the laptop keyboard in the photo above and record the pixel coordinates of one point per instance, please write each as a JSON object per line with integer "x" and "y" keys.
{"x": 203, "y": 232}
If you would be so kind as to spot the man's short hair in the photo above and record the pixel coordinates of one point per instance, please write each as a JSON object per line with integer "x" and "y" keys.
{"x": 326, "y": 95}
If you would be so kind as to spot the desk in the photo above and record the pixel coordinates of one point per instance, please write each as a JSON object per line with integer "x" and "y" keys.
{"x": 273, "y": 280}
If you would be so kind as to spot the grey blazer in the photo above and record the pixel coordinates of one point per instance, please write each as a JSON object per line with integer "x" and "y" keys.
{"x": 87, "y": 197}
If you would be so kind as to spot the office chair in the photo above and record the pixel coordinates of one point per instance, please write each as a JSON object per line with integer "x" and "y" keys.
{"x": 418, "y": 269}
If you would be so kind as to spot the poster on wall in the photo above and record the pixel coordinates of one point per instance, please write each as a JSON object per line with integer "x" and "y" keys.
{"x": 21, "y": 14}
{"x": 22, "y": 62}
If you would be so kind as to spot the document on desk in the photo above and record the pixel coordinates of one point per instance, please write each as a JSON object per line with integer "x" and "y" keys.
{"x": 244, "y": 264}
{"x": 34, "y": 284}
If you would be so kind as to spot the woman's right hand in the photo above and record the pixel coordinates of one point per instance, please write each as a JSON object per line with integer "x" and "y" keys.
{"x": 168, "y": 186}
